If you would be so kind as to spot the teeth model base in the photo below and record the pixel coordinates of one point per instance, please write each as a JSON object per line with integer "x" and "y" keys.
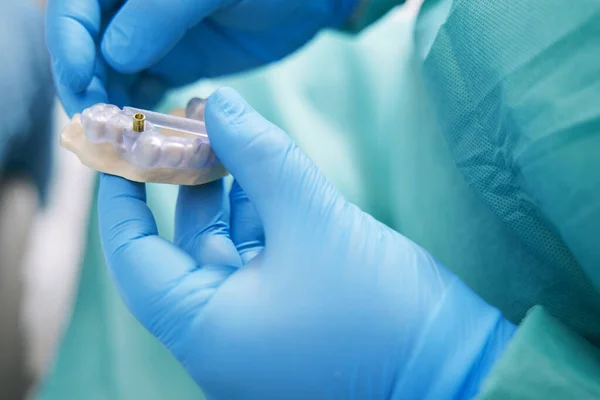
{"x": 144, "y": 146}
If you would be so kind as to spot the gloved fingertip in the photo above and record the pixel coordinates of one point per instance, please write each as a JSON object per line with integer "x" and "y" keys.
{"x": 119, "y": 51}
{"x": 76, "y": 102}
{"x": 225, "y": 101}
{"x": 229, "y": 123}
{"x": 76, "y": 79}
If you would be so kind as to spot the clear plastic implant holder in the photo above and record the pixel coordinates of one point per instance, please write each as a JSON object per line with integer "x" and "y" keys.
{"x": 147, "y": 139}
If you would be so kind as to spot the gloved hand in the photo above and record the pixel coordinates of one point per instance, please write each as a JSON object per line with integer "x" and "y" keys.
{"x": 134, "y": 50}
{"x": 291, "y": 292}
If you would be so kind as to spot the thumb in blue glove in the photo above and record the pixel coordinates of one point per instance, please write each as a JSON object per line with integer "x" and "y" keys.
{"x": 283, "y": 289}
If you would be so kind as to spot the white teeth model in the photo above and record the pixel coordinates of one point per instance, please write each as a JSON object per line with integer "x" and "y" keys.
{"x": 117, "y": 126}
{"x": 146, "y": 151}
{"x": 174, "y": 153}
{"x": 144, "y": 146}
{"x": 94, "y": 121}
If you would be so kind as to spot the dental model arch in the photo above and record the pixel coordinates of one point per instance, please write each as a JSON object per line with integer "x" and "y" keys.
{"x": 144, "y": 146}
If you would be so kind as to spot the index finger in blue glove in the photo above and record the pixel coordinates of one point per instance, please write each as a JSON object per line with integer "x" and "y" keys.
{"x": 143, "y": 31}
{"x": 76, "y": 102}
{"x": 71, "y": 30}
{"x": 161, "y": 284}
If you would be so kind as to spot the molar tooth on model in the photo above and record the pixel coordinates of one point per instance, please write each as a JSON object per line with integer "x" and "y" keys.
{"x": 196, "y": 154}
{"x": 195, "y": 109}
{"x": 94, "y": 120}
{"x": 115, "y": 128}
{"x": 173, "y": 153}
{"x": 147, "y": 150}
{"x": 190, "y": 150}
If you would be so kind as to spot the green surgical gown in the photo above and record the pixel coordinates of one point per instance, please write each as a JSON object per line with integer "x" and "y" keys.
{"x": 474, "y": 132}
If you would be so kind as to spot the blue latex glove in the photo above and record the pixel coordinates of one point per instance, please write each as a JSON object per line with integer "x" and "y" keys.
{"x": 324, "y": 302}
{"x": 134, "y": 50}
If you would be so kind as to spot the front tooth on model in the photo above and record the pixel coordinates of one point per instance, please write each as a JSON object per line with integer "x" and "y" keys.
{"x": 147, "y": 150}
{"x": 94, "y": 120}
{"x": 196, "y": 153}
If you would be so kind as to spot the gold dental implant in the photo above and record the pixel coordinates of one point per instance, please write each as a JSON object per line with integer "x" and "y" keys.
{"x": 139, "y": 122}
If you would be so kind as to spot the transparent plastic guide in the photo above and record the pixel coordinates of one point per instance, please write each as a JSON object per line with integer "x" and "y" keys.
{"x": 144, "y": 145}
{"x": 171, "y": 122}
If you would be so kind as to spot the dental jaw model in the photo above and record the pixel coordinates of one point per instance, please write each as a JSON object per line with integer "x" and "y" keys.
{"x": 144, "y": 146}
